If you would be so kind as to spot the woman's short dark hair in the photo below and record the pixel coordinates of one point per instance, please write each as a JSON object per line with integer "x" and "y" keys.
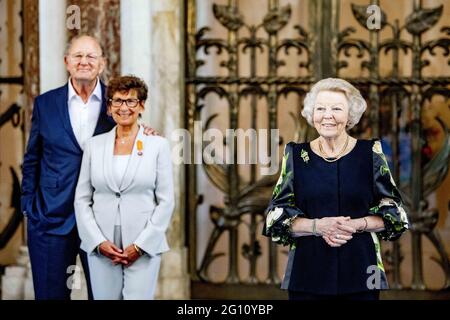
{"x": 125, "y": 84}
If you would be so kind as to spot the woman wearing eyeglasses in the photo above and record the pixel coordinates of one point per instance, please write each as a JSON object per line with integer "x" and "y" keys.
{"x": 124, "y": 199}
{"x": 335, "y": 197}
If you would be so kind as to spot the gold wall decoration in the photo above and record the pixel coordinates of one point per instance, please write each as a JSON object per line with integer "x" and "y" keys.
{"x": 19, "y": 84}
{"x": 31, "y": 56}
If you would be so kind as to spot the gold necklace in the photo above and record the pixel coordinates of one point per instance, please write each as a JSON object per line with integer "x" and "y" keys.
{"x": 339, "y": 155}
{"x": 125, "y": 138}
{"x": 122, "y": 140}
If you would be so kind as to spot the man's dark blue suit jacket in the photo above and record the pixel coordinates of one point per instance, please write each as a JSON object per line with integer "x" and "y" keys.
{"x": 52, "y": 162}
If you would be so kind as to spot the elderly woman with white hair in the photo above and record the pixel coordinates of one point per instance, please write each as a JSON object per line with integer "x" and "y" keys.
{"x": 335, "y": 197}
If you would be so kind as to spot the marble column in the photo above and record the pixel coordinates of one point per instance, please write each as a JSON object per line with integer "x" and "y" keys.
{"x": 52, "y": 43}
{"x": 152, "y": 51}
{"x": 166, "y": 113}
{"x": 135, "y": 49}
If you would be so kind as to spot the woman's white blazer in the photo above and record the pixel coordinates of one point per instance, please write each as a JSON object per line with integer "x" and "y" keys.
{"x": 144, "y": 198}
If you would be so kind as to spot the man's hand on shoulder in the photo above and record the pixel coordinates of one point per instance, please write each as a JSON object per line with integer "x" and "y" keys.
{"x": 148, "y": 131}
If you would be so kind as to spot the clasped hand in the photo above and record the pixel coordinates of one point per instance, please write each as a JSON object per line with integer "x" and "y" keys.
{"x": 117, "y": 255}
{"x": 336, "y": 231}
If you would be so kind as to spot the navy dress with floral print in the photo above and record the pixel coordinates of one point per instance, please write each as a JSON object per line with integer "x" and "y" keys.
{"x": 357, "y": 185}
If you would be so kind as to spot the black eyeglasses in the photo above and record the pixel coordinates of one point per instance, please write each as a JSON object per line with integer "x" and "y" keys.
{"x": 117, "y": 102}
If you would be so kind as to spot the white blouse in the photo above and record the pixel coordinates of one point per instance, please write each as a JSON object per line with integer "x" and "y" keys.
{"x": 120, "y": 163}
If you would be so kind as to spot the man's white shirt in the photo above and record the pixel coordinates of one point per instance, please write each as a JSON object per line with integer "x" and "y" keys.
{"x": 84, "y": 116}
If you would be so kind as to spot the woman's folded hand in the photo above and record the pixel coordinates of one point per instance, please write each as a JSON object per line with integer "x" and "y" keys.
{"x": 336, "y": 231}
{"x": 111, "y": 251}
{"x": 132, "y": 254}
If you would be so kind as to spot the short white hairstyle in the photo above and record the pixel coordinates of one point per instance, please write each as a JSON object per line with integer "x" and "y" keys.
{"x": 356, "y": 103}
{"x": 79, "y": 36}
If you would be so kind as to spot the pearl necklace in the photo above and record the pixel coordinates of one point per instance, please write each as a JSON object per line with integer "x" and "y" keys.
{"x": 339, "y": 155}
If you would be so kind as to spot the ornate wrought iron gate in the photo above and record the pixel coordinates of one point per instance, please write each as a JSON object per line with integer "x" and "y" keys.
{"x": 324, "y": 48}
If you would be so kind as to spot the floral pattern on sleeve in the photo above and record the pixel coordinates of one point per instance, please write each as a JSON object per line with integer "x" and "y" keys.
{"x": 388, "y": 199}
{"x": 282, "y": 210}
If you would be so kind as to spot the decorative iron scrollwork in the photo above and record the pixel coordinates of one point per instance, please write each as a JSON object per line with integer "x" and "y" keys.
{"x": 422, "y": 19}
{"x": 426, "y": 176}
{"x": 361, "y": 15}
{"x": 17, "y": 216}
{"x": 243, "y": 198}
{"x": 13, "y": 114}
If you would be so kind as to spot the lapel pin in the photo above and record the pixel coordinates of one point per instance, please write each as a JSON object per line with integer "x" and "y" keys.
{"x": 304, "y": 155}
{"x": 140, "y": 147}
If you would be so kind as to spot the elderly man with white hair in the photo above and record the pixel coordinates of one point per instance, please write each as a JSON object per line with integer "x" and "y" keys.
{"x": 335, "y": 197}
